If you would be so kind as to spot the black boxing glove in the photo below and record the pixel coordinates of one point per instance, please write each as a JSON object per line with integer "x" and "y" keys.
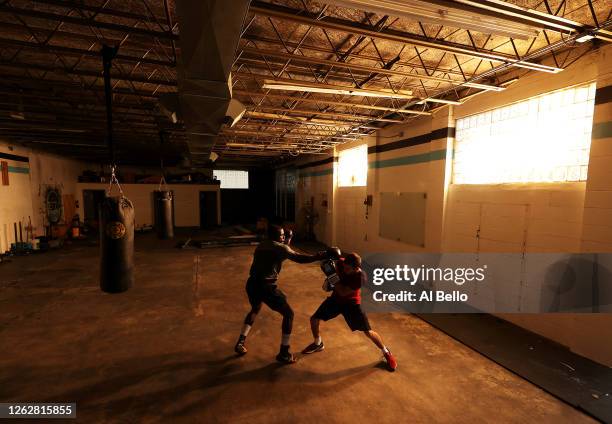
{"x": 333, "y": 253}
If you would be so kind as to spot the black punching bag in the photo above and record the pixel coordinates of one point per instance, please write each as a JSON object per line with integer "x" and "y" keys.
{"x": 164, "y": 220}
{"x": 116, "y": 244}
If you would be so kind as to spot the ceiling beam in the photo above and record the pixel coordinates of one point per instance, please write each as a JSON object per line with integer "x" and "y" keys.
{"x": 45, "y": 83}
{"x": 101, "y": 10}
{"x": 364, "y": 68}
{"x": 329, "y": 102}
{"x": 96, "y": 74}
{"x": 306, "y": 121}
{"x": 346, "y": 53}
{"x": 131, "y": 44}
{"x": 90, "y": 23}
{"x": 7, "y": 103}
{"x": 514, "y": 13}
{"x": 307, "y": 112}
{"x": 71, "y": 51}
{"x": 350, "y": 27}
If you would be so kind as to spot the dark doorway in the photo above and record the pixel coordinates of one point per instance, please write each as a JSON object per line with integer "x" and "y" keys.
{"x": 245, "y": 206}
{"x": 91, "y": 204}
{"x": 208, "y": 209}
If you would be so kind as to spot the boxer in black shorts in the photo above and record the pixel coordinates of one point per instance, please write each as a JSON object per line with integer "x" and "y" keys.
{"x": 261, "y": 287}
{"x": 346, "y": 300}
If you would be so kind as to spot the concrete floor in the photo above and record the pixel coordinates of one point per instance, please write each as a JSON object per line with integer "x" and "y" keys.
{"x": 164, "y": 350}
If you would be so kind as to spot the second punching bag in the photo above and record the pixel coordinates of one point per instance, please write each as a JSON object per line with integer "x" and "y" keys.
{"x": 164, "y": 219}
{"x": 116, "y": 244}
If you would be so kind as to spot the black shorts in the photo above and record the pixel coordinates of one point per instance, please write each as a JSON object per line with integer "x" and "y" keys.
{"x": 352, "y": 313}
{"x": 262, "y": 292}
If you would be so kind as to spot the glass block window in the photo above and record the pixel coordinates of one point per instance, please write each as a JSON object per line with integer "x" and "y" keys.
{"x": 353, "y": 167}
{"x": 232, "y": 178}
{"x": 543, "y": 139}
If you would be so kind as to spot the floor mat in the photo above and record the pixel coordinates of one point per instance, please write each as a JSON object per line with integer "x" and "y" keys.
{"x": 572, "y": 378}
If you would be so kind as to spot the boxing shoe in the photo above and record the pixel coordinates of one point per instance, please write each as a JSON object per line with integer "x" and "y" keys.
{"x": 313, "y": 347}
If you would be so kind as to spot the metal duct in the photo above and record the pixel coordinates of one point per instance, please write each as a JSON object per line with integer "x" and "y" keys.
{"x": 209, "y": 35}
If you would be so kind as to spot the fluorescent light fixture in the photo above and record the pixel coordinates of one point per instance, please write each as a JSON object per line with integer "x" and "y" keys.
{"x": 479, "y": 86}
{"x": 584, "y": 38}
{"x": 424, "y": 11}
{"x": 334, "y": 89}
{"x": 262, "y": 146}
{"x": 509, "y": 82}
{"x": 232, "y": 144}
{"x": 300, "y": 119}
{"x": 604, "y": 35}
{"x": 443, "y": 101}
{"x": 265, "y": 115}
{"x": 538, "y": 67}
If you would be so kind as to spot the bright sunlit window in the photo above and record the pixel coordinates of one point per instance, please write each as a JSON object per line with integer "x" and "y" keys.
{"x": 353, "y": 167}
{"x": 543, "y": 139}
{"x": 231, "y": 178}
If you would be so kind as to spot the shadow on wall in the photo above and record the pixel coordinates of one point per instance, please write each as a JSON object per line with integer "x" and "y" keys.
{"x": 581, "y": 283}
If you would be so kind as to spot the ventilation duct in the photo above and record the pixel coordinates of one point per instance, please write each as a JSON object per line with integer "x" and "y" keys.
{"x": 209, "y": 35}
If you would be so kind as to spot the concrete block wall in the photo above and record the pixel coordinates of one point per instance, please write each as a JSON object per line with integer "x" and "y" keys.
{"x": 597, "y": 228}
{"x": 566, "y": 217}
{"x": 410, "y": 158}
{"x": 315, "y": 183}
{"x": 543, "y": 217}
{"x": 23, "y": 199}
{"x": 514, "y": 218}
{"x": 186, "y": 201}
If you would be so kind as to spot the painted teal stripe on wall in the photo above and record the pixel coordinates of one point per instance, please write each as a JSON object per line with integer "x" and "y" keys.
{"x": 409, "y": 160}
{"x": 602, "y": 130}
{"x": 317, "y": 173}
{"x": 18, "y": 170}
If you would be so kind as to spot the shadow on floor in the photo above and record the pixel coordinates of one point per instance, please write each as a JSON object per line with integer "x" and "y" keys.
{"x": 146, "y": 386}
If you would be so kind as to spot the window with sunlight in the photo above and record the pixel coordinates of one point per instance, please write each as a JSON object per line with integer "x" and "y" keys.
{"x": 353, "y": 167}
{"x": 543, "y": 139}
{"x": 231, "y": 178}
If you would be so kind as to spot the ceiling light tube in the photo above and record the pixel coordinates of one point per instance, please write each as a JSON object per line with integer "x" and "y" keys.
{"x": 333, "y": 89}
{"x": 443, "y": 101}
{"x": 537, "y": 67}
{"x": 482, "y": 86}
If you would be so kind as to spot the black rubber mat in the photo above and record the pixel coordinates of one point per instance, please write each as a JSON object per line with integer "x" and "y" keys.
{"x": 582, "y": 383}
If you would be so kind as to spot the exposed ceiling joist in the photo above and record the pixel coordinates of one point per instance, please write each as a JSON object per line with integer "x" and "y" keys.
{"x": 350, "y": 27}
{"x": 75, "y": 52}
{"x": 346, "y": 53}
{"x": 89, "y": 23}
{"x": 51, "y": 91}
{"x": 86, "y": 73}
{"x": 371, "y": 69}
{"x": 329, "y": 102}
{"x": 307, "y": 112}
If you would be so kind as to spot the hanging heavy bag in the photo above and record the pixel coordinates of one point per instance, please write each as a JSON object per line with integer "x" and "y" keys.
{"x": 164, "y": 220}
{"x": 116, "y": 244}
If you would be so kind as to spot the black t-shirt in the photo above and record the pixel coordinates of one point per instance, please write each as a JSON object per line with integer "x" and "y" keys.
{"x": 268, "y": 259}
